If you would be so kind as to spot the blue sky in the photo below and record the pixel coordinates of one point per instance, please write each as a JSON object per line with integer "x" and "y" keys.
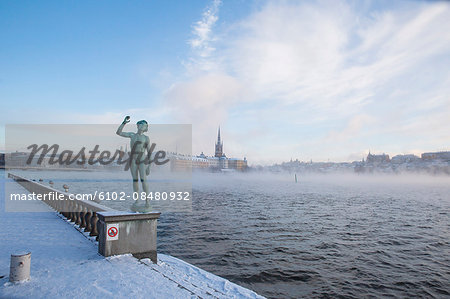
{"x": 320, "y": 80}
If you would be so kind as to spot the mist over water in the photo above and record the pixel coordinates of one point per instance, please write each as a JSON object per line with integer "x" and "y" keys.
{"x": 327, "y": 235}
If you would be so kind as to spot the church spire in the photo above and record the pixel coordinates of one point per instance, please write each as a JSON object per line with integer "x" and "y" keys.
{"x": 218, "y": 136}
{"x": 219, "y": 146}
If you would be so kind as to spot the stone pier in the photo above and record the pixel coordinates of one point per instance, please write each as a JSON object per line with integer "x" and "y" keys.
{"x": 117, "y": 232}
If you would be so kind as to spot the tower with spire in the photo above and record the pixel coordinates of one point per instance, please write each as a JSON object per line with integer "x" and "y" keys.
{"x": 219, "y": 146}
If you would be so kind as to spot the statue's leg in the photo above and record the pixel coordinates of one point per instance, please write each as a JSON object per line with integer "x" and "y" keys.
{"x": 134, "y": 174}
{"x": 142, "y": 175}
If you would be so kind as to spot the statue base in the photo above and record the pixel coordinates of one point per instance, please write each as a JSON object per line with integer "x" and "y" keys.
{"x": 136, "y": 234}
{"x": 141, "y": 208}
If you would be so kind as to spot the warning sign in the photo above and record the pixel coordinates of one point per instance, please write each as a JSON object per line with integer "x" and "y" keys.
{"x": 112, "y": 231}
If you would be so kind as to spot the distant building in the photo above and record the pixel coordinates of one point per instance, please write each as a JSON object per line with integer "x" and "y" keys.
{"x": 383, "y": 158}
{"x": 180, "y": 162}
{"x": 202, "y": 162}
{"x": 399, "y": 159}
{"x": 444, "y": 156}
{"x": 237, "y": 164}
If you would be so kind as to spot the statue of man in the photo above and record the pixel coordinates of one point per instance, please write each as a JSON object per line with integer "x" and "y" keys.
{"x": 139, "y": 144}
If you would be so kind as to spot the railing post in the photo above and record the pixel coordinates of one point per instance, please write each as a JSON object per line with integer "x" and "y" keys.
{"x": 65, "y": 208}
{"x": 87, "y": 220}
{"x": 82, "y": 220}
{"x": 94, "y": 220}
{"x": 77, "y": 213}
{"x": 71, "y": 211}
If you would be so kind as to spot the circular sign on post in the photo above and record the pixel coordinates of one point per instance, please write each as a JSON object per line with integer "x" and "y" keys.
{"x": 112, "y": 232}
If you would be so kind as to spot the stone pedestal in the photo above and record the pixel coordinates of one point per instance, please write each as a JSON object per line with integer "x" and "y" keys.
{"x": 124, "y": 232}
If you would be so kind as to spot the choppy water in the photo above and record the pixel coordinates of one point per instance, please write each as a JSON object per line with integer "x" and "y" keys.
{"x": 326, "y": 236}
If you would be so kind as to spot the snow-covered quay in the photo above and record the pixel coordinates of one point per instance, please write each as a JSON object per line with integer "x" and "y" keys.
{"x": 65, "y": 264}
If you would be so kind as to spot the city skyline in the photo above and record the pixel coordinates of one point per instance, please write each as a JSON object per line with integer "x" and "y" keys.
{"x": 283, "y": 79}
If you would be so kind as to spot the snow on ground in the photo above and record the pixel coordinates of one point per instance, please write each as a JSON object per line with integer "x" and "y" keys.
{"x": 65, "y": 264}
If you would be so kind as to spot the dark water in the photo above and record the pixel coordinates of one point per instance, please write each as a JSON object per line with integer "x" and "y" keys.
{"x": 322, "y": 237}
{"x": 327, "y": 236}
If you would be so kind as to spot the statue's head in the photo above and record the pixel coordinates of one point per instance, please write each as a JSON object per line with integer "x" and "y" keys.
{"x": 142, "y": 125}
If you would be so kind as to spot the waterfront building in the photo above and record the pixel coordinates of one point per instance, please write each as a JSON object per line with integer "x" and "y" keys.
{"x": 383, "y": 158}
{"x": 200, "y": 162}
{"x": 398, "y": 159}
{"x": 179, "y": 162}
{"x": 218, "y": 162}
{"x": 444, "y": 156}
{"x": 237, "y": 164}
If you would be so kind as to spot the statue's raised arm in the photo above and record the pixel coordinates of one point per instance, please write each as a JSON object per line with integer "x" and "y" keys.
{"x": 119, "y": 130}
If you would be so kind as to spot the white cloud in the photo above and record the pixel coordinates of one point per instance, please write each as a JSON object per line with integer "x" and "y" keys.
{"x": 203, "y": 39}
{"x": 353, "y": 128}
{"x": 358, "y": 80}
{"x": 204, "y": 101}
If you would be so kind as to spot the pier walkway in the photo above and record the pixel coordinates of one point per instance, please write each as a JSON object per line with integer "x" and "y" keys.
{"x": 65, "y": 263}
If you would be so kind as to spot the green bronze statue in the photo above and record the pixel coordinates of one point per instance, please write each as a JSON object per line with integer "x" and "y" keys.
{"x": 140, "y": 148}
